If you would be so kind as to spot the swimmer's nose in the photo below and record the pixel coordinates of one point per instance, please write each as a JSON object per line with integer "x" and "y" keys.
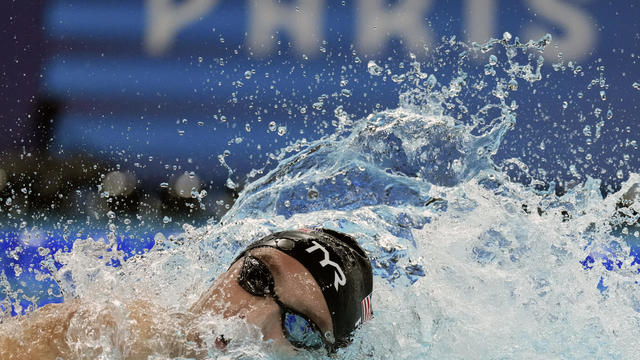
{"x": 265, "y": 314}
{"x": 259, "y": 311}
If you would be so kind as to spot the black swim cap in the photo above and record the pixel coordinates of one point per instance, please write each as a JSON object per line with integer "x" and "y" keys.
{"x": 340, "y": 267}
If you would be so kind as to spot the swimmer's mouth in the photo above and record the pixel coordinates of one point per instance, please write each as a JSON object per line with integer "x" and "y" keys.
{"x": 221, "y": 342}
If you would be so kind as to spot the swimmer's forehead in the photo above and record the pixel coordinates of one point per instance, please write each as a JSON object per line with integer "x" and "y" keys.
{"x": 295, "y": 286}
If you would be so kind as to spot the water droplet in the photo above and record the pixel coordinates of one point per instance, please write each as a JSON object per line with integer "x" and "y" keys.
{"x": 247, "y": 74}
{"x": 282, "y": 130}
{"x": 223, "y": 118}
{"x": 597, "y": 112}
{"x": 493, "y": 60}
{"x": 166, "y": 219}
{"x": 272, "y": 126}
{"x": 247, "y": 127}
{"x": 303, "y": 110}
{"x": 181, "y": 132}
{"x": 431, "y": 82}
{"x": 609, "y": 114}
{"x": 346, "y": 92}
{"x": 373, "y": 68}
{"x": 565, "y": 104}
{"x": 397, "y": 78}
{"x": 513, "y": 85}
{"x": 636, "y": 85}
{"x": 17, "y": 270}
{"x": 506, "y": 36}
{"x": 603, "y": 95}
{"x": 111, "y": 215}
{"x": 231, "y": 184}
{"x": 200, "y": 123}
{"x": 340, "y": 113}
{"x": 313, "y": 194}
{"x": 164, "y": 185}
{"x": 287, "y": 203}
{"x": 620, "y": 174}
{"x": 200, "y": 59}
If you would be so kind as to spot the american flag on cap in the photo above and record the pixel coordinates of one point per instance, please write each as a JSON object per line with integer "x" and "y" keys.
{"x": 367, "y": 310}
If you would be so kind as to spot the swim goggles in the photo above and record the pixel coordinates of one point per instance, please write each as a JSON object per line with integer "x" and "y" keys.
{"x": 256, "y": 278}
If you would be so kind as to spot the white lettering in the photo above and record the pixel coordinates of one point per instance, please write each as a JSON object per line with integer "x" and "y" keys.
{"x": 376, "y": 22}
{"x": 340, "y": 279}
{"x": 165, "y": 19}
{"x": 580, "y": 33}
{"x": 302, "y": 19}
{"x": 480, "y": 20}
{"x": 406, "y": 19}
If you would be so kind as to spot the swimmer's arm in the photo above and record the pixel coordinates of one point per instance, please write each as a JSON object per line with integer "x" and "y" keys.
{"x": 46, "y": 333}
{"x": 40, "y": 335}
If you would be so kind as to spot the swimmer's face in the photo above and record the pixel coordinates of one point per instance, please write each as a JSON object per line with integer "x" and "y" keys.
{"x": 293, "y": 284}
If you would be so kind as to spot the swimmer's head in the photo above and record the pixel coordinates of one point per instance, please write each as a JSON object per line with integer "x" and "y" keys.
{"x": 340, "y": 268}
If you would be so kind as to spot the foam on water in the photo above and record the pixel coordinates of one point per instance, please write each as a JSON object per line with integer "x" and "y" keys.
{"x": 467, "y": 263}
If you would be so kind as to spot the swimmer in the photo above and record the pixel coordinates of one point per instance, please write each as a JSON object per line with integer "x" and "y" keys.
{"x": 303, "y": 289}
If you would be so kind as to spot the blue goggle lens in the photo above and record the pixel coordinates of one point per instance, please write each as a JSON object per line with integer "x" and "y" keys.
{"x": 300, "y": 332}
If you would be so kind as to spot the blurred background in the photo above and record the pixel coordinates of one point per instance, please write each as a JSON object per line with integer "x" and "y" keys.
{"x": 151, "y": 114}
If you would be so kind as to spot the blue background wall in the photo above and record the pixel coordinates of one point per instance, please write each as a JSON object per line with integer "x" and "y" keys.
{"x": 152, "y": 79}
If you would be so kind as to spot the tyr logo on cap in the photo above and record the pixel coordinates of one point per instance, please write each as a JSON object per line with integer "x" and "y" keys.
{"x": 340, "y": 279}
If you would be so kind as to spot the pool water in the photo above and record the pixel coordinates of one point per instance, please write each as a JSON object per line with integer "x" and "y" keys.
{"x": 469, "y": 260}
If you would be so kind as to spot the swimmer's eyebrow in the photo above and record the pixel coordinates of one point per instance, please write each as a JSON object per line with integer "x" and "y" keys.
{"x": 272, "y": 264}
